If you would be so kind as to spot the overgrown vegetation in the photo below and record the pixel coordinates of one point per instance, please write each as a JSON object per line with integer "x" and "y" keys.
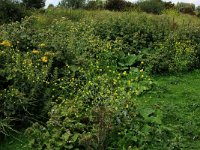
{"x": 11, "y": 11}
{"x": 14, "y": 10}
{"x": 34, "y": 3}
{"x": 72, "y": 77}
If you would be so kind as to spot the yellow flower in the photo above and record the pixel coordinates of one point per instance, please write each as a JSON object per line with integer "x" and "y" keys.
{"x": 44, "y": 59}
{"x": 35, "y": 51}
{"x": 42, "y": 45}
{"x": 6, "y": 43}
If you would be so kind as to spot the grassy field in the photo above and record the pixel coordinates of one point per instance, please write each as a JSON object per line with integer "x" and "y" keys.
{"x": 179, "y": 98}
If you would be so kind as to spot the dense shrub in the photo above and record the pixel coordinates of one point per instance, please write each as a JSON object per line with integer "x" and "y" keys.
{"x": 11, "y": 11}
{"x": 186, "y": 8}
{"x": 95, "y": 4}
{"x": 151, "y": 6}
{"x": 34, "y": 3}
{"x": 169, "y": 5}
{"x": 74, "y": 4}
{"x": 51, "y": 6}
{"x": 28, "y": 69}
{"x": 24, "y": 82}
{"x": 176, "y": 57}
{"x": 148, "y": 38}
{"x": 198, "y": 11}
{"x": 100, "y": 116}
{"x": 117, "y": 5}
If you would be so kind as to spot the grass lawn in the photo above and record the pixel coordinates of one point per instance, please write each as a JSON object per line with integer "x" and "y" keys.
{"x": 179, "y": 98}
{"x": 14, "y": 142}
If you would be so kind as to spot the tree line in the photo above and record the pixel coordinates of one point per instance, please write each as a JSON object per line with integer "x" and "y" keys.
{"x": 14, "y": 10}
{"x": 149, "y": 6}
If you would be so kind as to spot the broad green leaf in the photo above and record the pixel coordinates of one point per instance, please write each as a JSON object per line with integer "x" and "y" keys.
{"x": 75, "y": 137}
{"x": 66, "y": 136}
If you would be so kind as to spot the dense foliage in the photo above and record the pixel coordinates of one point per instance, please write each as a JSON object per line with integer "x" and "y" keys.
{"x": 11, "y": 11}
{"x": 118, "y": 5}
{"x": 186, "y": 8}
{"x": 34, "y": 3}
{"x": 73, "y": 76}
{"x": 198, "y": 11}
{"x": 74, "y": 4}
{"x": 151, "y": 6}
{"x": 95, "y": 4}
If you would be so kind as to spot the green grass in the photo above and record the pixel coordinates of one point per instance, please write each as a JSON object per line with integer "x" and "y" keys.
{"x": 17, "y": 141}
{"x": 174, "y": 90}
{"x": 179, "y": 98}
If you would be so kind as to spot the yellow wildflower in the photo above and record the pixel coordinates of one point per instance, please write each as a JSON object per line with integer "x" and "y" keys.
{"x": 42, "y": 45}
{"x": 141, "y": 70}
{"x": 35, "y": 51}
{"x": 44, "y": 59}
{"x": 6, "y": 43}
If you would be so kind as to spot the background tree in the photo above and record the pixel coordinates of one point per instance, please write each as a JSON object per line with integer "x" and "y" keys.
{"x": 186, "y": 8}
{"x": 51, "y": 6}
{"x": 151, "y": 6}
{"x": 198, "y": 11}
{"x": 74, "y": 4}
{"x": 95, "y": 4}
{"x": 34, "y": 3}
{"x": 169, "y": 5}
{"x": 11, "y": 10}
{"x": 117, "y": 5}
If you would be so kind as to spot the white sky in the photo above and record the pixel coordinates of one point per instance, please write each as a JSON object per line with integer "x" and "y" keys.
{"x": 196, "y": 2}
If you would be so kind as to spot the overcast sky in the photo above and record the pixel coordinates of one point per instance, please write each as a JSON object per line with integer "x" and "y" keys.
{"x": 196, "y": 2}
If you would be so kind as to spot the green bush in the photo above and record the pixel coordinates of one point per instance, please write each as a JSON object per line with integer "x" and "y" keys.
{"x": 95, "y": 4}
{"x": 11, "y": 11}
{"x": 151, "y": 6}
{"x": 34, "y": 4}
{"x": 169, "y": 5}
{"x": 24, "y": 82}
{"x": 173, "y": 57}
{"x": 117, "y": 5}
{"x": 74, "y": 4}
{"x": 186, "y": 8}
{"x": 198, "y": 11}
